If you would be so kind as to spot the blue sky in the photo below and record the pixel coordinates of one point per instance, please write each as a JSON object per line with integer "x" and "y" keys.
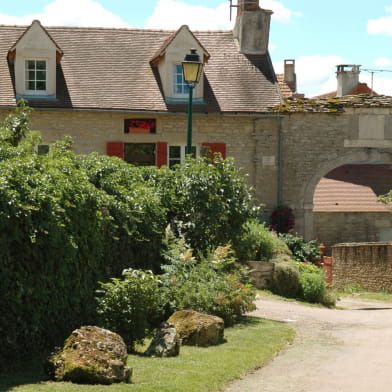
{"x": 318, "y": 34}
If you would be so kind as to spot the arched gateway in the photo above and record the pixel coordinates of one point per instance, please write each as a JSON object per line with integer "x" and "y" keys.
{"x": 317, "y": 136}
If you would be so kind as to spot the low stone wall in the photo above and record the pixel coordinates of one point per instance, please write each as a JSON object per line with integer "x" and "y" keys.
{"x": 368, "y": 264}
{"x": 261, "y": 273}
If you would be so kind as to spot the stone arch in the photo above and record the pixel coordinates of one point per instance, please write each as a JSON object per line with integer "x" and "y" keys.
{"x": 364, "y": 155}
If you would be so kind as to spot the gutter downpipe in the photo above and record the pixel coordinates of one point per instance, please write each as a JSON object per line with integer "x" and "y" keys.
{"x": 280, "y": 162}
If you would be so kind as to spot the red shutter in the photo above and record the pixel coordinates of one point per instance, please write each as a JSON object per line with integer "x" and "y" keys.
{"x": 215, "y": 148}
{"x": 161, "y": 154}
{"x": 115, "y": 149}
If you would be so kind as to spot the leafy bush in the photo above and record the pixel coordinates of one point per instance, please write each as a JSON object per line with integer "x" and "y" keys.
{"x": 212, "y": 285}
{"x": 286, "y": 279}
{"x": 208, "y": 202}
{"x": 302, "y": 250}
{"x": 312, "y": 286}
{"x": 70, "y": 221}
{"x": 257, "y": 242}
{"x": 131, "y": 306}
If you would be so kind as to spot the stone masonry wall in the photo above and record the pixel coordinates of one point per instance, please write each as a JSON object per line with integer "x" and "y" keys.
{"x": 366, "y": 264}
{"x": 339, "y": 227}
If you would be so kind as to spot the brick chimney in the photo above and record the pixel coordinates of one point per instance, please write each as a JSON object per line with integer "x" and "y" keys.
{"x": 289, "y": 75}
{"x": 252, "y": 27}
{"x": 348, "y": 78}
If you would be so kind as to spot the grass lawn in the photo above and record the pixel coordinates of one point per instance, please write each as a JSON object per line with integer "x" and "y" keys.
{"x": 384, "y": 297}
{"x": 248, "y": 345}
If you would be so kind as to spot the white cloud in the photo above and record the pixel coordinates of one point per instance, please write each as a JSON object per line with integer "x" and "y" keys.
{"x": 383, "y": 62}
{"x": 381, "y": 25}
{"x": 70, "y": 13}
{"x": 281, "y": 13}
{"x": 316, "y": 74}
{"x": 170, "y": 14}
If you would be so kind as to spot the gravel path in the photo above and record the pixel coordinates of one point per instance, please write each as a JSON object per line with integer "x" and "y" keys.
{"x": 335, "y": 350}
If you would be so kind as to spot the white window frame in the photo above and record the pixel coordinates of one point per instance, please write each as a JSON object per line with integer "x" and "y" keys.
{"x": 177, "y": 70}
{"x": 25, "y": 81}
{"x": 182, "y": 153}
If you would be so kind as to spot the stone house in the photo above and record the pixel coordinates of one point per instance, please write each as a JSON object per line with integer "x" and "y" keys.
{"x": 121, "y": 92}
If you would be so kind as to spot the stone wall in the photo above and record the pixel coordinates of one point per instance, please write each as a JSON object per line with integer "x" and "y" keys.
{"x": 261, "y": 274}
{"x": 367, "y": 264}
{"x": 338, "y": 227}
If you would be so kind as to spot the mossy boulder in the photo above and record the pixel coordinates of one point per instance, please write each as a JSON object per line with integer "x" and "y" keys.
{"x": 198, "y": 329}
{"x": 91, "y": 355}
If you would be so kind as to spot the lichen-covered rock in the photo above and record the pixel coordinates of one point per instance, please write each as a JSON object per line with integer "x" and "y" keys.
{"x": 166, "y": 342}
{"x": 198, "y": 329}
{"x": 91, "y": 355}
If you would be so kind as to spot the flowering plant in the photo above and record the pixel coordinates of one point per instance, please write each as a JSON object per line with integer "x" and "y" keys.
{"x": 282, "y": 219}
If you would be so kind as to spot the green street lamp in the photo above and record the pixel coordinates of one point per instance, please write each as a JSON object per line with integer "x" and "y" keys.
{"x": 192, "y": 69}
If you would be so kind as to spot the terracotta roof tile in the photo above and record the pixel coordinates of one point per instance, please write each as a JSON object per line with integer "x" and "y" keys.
{"x": 110, "y": 69}
{"x": 361, "y": 88}
{"x": 286, "y": 89}
{"x": 354, "y": 188}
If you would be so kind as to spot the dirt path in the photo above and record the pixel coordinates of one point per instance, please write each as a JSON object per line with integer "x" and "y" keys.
{"x": 335, "y": 350}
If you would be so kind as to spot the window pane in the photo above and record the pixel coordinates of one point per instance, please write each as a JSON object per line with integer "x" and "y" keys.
{"x": 30, "y": 64}
{"x": 41, "y": 64}
{"x": 30, "y": 85}
{"x": 140, "y": 154}
{"x": 30, "y": 75}
{"x": 41, "y": 86}
{"x": 41, "y": 75}
{"x": 174, "y": 152}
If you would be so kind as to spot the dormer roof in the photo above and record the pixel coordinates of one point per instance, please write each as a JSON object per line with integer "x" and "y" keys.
{"x": 162, "y": 50}
{"x": 11, "y": 51}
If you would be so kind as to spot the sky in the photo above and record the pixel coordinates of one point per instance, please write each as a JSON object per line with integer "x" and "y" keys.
{"x": 317, "y": 34}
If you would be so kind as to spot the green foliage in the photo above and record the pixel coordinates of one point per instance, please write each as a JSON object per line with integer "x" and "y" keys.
{"x": 286, "y": 279}
{"x": 302, "y": 250}
{"x": 208, "y": 202}
{"x": 257, "y": 242}
{"x": 312, "y": 286}
{"x": 16, "y": 125}
{"x": 386, "y": 199}
{"x": 212, "y": 285}
{"x": 128, "y": 306}
{"x": 70, "y": 221}
{"x": 135, "y": 209}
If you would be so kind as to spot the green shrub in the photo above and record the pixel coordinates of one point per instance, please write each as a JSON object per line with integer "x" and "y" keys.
{"x": 312, "y": 286}
{"x": 328, "y": 299}
{"x": 131, "y": 306}
{"x": 302, "y": 250}
{"x": 257, "y": 242}
{"x": 208, "y": 202}
{"x": 69, "y": 221}
{"x": 211, "y": 285}
{"x": 286, "y": 279}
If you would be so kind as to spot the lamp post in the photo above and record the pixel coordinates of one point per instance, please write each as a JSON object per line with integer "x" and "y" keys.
{"x": 192, "y": 69}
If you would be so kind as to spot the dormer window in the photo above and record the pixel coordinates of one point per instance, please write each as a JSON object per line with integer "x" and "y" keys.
{"x": 180, "y": 88}
{"x": 35, "y": 56}
{"x": 168, "y": 61}
{"x": 36, "y": 76}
